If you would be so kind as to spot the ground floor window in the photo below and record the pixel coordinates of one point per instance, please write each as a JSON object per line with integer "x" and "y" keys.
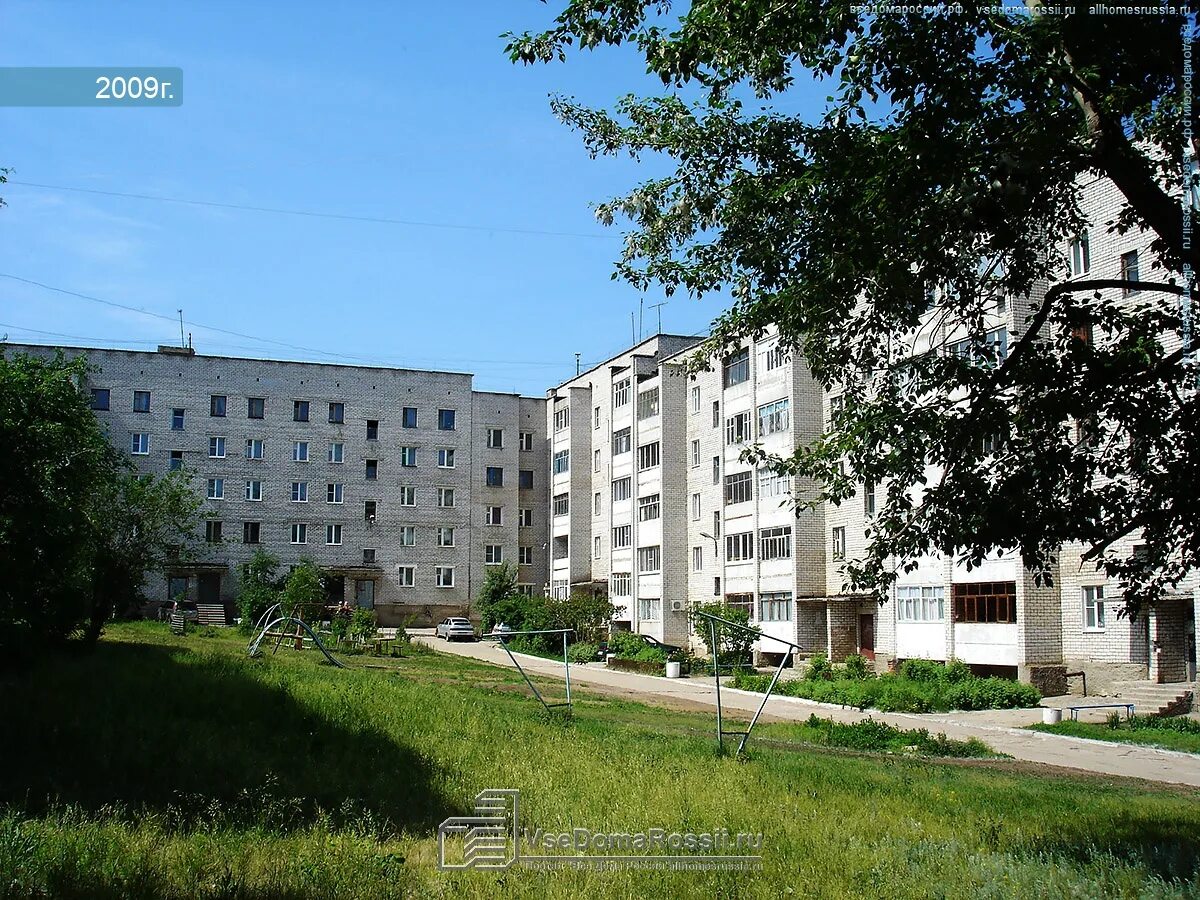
{"x": 650, "y": 608}
{"x": 1093, "y": 608}
{"x": 921, "y": 603}
{"x": 775, "y": 607}
{"x": 744, "y": 602}
{"x": 985, "y": 601}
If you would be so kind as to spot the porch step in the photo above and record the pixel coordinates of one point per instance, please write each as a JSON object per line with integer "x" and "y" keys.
{"x": 1152, "y": 699}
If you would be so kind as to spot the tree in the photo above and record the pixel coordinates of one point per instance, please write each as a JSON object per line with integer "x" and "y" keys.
{"x": 260, "y": 587}
{"x": 733, "y": 644}
{"x": 304, "y": 591}
{"x": 498, "y": 599}
{"x": 950, "y": 154}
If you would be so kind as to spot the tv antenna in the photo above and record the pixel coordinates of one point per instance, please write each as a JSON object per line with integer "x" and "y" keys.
{"x": 659, "y": 306}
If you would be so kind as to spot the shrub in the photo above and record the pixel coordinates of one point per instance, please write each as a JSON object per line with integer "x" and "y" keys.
{"x": 627, "y": 645}
{"x": 819, "y": 668}
{"x": 583, "y": 652}
{"x": 259, "y": 589}
{"x": 362, "y": 625}
{"x": 856, "y": 667}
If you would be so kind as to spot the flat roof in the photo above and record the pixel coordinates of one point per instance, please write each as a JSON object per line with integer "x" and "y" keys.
{"x": 631, "y": 349}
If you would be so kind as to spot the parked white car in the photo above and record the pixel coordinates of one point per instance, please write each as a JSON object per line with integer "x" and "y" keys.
{"x": 455, "y": 627}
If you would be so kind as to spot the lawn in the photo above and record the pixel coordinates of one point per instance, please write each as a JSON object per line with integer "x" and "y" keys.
{"x": 1171, "y": 734}
{"x": 164, "y": 766}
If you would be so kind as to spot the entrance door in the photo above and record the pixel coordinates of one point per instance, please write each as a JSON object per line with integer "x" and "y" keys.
{"x": 177, "y": 586}
{"x": 866, "y": 636}
{"x": 364, "y": 592}
{"x": 209, "y": 588}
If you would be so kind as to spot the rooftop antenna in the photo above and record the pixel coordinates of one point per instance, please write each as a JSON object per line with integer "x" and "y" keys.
{"x": 632, "y": 327}
{"x": 640, "y": 302}
{"x": 182, "y": 339}
{"x": 659, "y": 306}
{"x": 577, "y": 365}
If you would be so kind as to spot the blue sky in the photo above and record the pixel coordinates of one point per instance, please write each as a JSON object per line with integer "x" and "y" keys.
{"x": 377, "y": 109}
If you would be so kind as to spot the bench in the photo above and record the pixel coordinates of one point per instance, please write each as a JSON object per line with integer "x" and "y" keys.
{"x": 178, "y": 623}
{"x": 1128, "y": 707}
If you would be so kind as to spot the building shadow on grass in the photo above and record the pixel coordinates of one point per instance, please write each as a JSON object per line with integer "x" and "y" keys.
{"x": 199, "y": 741}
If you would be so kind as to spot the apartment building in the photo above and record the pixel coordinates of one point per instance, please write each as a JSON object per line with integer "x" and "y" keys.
{"x": 403, "y": 485}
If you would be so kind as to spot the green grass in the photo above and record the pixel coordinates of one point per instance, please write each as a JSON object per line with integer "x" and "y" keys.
{"x": 164, "y": 766}
{"x": 1170, "y": 734}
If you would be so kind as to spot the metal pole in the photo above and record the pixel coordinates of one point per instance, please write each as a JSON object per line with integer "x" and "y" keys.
{"x": 761, "y": 706}
{"x": 712, "y": 630}
{"x": 523, "y": 675}
{"x": 567, "y": 668}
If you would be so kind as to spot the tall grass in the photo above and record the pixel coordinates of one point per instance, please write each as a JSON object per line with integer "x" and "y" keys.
{"x": 163, "y": 766}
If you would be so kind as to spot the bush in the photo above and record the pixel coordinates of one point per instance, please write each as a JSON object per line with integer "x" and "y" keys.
{"x": 259, "y": 588}
{"x": 583, "y": 652}
{"x": 627, "y": 645}
{"x": 819, "y": 668}
{"x": 362, "y": 625}
{"x": 856, "y": 668}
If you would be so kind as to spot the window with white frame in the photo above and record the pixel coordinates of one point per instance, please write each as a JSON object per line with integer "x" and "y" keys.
{"x": 695, "y": 507}
{"x": 525, "y": 440}
{"x": 406, "y": 535}
{"x": 649, "y": 507}
{"x": 1130, "y": 271}
{"x": 596, "y": 460}
{"x": 299, "y": 491}
{"x": 773, "y": 357}
{"x": 838, "y": 550}
{"x": 620, "y": 393}
{"x": 1093, "y": 608}
{"x": 493, "y": 515}
{"x": 562, "y": 462}
{"x": 300, "y": 451}
{"x": 648, "y": 456}
{"x": 620, "y": 584}
{"x": 336, "y": 452}
{"x": 622, "y": 537}
{"x": 299, "y": 533}
{"x": 333, "y": 535}
{"x": 697, "y": 559}
{"x": 696, "y": 454}
{"x": 406, "y": 576}
{"x": 739, "y": 547}
{"x": 408, "y": 495}
{"x": 775, "y": 543}
{"x": 562, "y": 504}
{"x": 647, "y": 405}
{"x": 737, "y": 429}
{"x": 921, "y": 603}
{"x": 445, "y": 536}
{"x": 408, "y": 456}
{"x": 596, "y": 501}
{"x": 254, "y": 490}
{"x": 334, "y": 492}
{"x": 493, "y": 554}
{"x": 596, "y": 547}
{"x": 216, "y": 448}
{"x": 495, "y": 438}
{"x": 562, "y": 418}
{"x": 525, "y": 517}
{"x": 739, "y": 487}
{"x": 621, "y": 489}
{"x": 596, "y": 417}
{"x": 216, "y": 489}
{"x": 445, "y": 497}
{"x": 716, "y": 470}
{"x": 139, "y": 444}
{"x": 775, "y": 606}
{"x": 1081, "y": 255}
{"x": 444, "y": 576}
{"x": 650, "y": 608}
{"x": 560, "y": 588}
{"x": 695, "y": 398}
{"x": 773, "y": 485}
{"x": 445, "y": 458}
{"x": 254, "y": 448}
{"x": 525, "y": 556}
{"x": 774, "y": 417}
{"x": 621, "y": 442}
{"x": 736, "y": 367}
{"x": 649, "y": 559}
{"x": 868, "y": 498}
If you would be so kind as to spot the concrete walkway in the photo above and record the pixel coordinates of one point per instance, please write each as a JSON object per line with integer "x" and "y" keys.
{"x": 999, "y": 729}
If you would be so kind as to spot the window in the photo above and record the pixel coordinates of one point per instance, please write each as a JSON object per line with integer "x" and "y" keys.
{"x": 299, "y": 410}
{"x": 621, "y": 441}
{"x": 216, "y": 405}
{"x": 596, "y": 547}
{"x": 335, "y": 452}
{"x": 216, "y": 489}
{"x": 697, "y": 559}
{"x": 596, "y": 460}
{"x": 562, "y": 418}
{"x": 493, "y": 554}
{"x": 254, "y": 490}
{"x": 1093, "y": 608}
{"x": 868, "y": 498}
{"x": 716, "y": 532}
{"x": 772, "y": 484}
{"x": 562, "y": 504}
{"x": 299, "y": 491}
{"x": 372, "y": 429}
{"x": 494, "y": 476}
{"x": 695, "y": 507}
{"x": 738, "y": 487}
{"x": 493, "y": 515}
{"x": 368, "y": 555}
{"x": 648, "y": 456}
{"x": 1130, "y": 271}
{"x": 445, "y": 458}
{"x": 407, "y": 536}
{"x": 620, "y": 584}
{"x": 335, "y": 493}
{"x": 139, "y": 444}
{"x": 773, "y": 418}
{"x": 737, "y": 429}
{"x": 647, "y": 405}
{"x": 495, "y": 438}
{"x": 717, "y": 586}
{"x": 775, "y": 543}
{"x": 337, "y": 413}
{"x": 596, "y": 417}
{"x": 300, "y": 451}
{"x": 141, "y": 401}
{"x": 370, "y": 510}
{"x": 596, "y": 504}
{"x": 525, "y": 517}
{"x": 299, "y": 533}
{"x": 737, "y": 367}
{"x": 774, "y": 357}
{"x": 716, "y": 414}
{"x": 212, "y": 531}
{"x": 176, "y": 462}
{"x": 650, "y": 608}
{"x": 445, "y": 536}
{"x": 991, "y": 350}
{"x": 256, "y": 407}
{"x": 444, "y": 576}
{"x": 839, "y": 543}
{"x": 649, "y": 508}
{"x": 177, "y": 419}
{"x": 408, "y": 417}
{"x": 562, "y": 462}
{"x": 621, "y": 489}
{"x": 372, "y": 470}
{"x": 408, "y": 495}
{"x": 695, "y": 454}
{"x": 695, "y": 398}
{"x": 1081, "y": 255}
{"x": 620, "y": 393}
{"x": 100, "y": 397}
{"x": 445, "y": 420}
{"x": 525, "y": 440}
{"x": 406, "y": 576}
{"x": 445, "y": 497}
{"x": 739, "y": 547}
{"x": 622, "y": 537}
{"x": 525, "y": 556}
{"x": 743, "y": 602}
{"x": 254, "y": 448}
{"x": 716, "y": 470}
{"x": 525, "y": 479}
{"x": 985, "y": 601}
{"x": 920, "y": 603}
{"x": 333, "y": 537}
{"x": 408, "y": 456}
{"x": 250, "y": 532}
{"x": 649, "y": 559}
{"x": 775, "y": 606}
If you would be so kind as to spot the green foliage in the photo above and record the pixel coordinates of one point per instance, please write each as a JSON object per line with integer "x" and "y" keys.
{"x": 856, "y": 668}
{"x": 586, "y": 612}
{"x": 259, "y": 588}
{"x": 735, "y": 645}
{"x": 78, "y": 530}
{"x": 920, "y": 686}
{"x": 362, "y": 626}
{"x": 303, "y": 594}
{"x": 498, "y": 599}
{"x": 583, "y": 652}
{"x": 1173, "y": 733}
{"x": 627, "y": 645}
{"x": 975, "y": 128}
{"x": 878, "y": 737}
